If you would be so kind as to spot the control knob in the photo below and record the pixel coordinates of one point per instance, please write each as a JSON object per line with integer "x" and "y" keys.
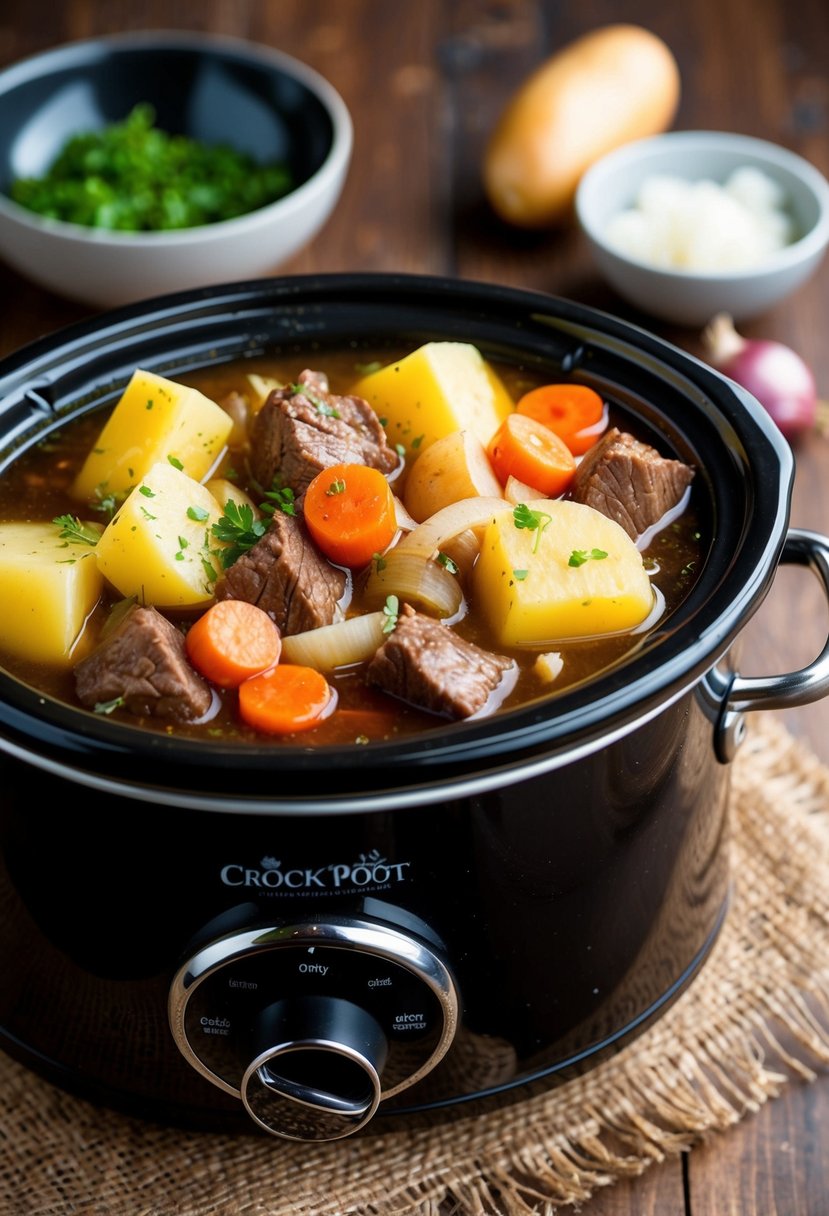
{"x": 312, "y": 1024}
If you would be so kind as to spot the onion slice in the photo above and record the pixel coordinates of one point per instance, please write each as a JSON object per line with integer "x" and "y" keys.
{"x": 415, "y": 580}
{"x": 405, "y": 521}
{"x": 463, "y": 549}
{"x": 516, "y": 491}
{"x": 340, "y": 645}
{"x": 438, "y": 529}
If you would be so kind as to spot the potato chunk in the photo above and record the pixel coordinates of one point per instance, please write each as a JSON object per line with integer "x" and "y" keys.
{"x": 48, "y": 587}
{"x": 155, "y": 419}
{"x": 533, "y": 596}
{"x": 451, "y": 468}
{"x": 225, "y": 491}
{"x": 159, "y": 547}
{"x": 261, "y": 388}
{"x": 439, "y": 388}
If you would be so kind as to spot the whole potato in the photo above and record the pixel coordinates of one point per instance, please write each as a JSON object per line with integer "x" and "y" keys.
{"x": 616, "y": 84}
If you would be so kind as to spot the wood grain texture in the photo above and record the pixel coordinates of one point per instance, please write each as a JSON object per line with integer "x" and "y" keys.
{"x": 425, "y": 83}
{"x": 775, "y": 1165}
{"x": 659, "y": 1191}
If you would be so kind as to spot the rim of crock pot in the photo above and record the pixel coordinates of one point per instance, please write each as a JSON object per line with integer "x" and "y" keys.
{"x": 728, "y": 590}
{"x": 398, "y": 798}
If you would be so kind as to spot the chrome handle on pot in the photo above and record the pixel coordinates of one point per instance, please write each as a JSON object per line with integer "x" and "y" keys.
{"x": 810, "y": 683}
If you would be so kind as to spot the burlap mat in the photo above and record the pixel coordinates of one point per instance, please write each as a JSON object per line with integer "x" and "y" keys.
{"x": 717, "y": 1054}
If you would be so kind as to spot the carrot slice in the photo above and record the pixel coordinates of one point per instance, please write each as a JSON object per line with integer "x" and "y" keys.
{"x": 575, "y": 412}
{"x": 531, "y": 452}
{"x": 349, "y": 511}
{"x": 285, "y": 699}
{"x": 232, "y": 641}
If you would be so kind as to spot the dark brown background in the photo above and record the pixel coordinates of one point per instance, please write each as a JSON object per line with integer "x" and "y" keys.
{"x": 424, "y": 81}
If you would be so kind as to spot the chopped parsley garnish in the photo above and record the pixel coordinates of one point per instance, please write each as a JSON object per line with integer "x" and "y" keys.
{"x": 280, "y": 498}
{"x": 380, "y": 562}
{"x": 198, "y": 514}
{"x": 337, "y": 487}
{"x": 176, "y": 463}
{"x": 520, "y": 575}
{"x": 322, "y": 407}
{"x": 105, "y": 505}
{"x": 391, "y": 608}
{"x": 108, "y": 707}
{"x": 239, "y": 530}
{"x": 105, "y": 500}
{"x": 133, "y": 177}
{"x": 365, "y": 369}
{"x": 211, "y": 560}
{"x": 416, "y": 442}
{"x": 535, "y": 521}
{"x": 117, "y": 613}
{"x": 74, "y": 532}
{"x": 208, "y": 567}
{"x": 146, "y": 491}
{"x": 579, "y": 556}
{"x": 401, "y": 451}
{"x": 443, "y": 559}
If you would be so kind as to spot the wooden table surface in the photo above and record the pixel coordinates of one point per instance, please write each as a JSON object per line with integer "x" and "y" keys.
{"x": 425, "y": 81}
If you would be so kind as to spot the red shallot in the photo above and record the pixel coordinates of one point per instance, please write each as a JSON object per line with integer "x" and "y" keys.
{"x": 770, "y": 371}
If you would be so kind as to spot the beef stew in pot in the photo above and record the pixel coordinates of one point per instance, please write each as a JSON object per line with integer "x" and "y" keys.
{"x": 424, "y": 538}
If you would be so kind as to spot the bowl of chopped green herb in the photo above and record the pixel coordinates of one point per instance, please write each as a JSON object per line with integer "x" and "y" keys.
{"x": 138, "y": 164}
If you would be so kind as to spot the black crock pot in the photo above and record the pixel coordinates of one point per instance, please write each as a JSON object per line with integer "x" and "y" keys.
{"x": 317, "y": 940}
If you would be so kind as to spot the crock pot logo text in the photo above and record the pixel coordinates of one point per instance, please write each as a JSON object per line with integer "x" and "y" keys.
{"x": 370, "y": 871}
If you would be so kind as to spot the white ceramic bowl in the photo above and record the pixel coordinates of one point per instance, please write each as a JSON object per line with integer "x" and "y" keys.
{"x": 215, "y": 89}
{"x": 694, "y": 297}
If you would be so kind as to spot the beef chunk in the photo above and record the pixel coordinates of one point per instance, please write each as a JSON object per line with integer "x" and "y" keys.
{"x": 629, "y": 481}
{"x": 316, "y": 382}
{"x": 302, "y": 429}
{"x": 428, "y": 665}
{"x": 144, "y": 662}
{"x": 285, "y": 576}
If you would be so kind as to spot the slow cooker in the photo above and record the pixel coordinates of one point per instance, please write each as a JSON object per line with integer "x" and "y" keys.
{"x": 313, "y": 943}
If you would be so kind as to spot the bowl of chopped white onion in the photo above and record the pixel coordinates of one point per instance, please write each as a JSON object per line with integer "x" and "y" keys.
{"x": 692, "y": 223}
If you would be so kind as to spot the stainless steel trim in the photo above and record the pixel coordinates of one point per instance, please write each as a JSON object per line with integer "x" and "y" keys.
{"x": 353, "y": 1115}
{"x": 343, "y": 933}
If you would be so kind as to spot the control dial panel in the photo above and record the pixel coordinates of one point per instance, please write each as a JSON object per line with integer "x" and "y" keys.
{"x": 311, "y": 1024}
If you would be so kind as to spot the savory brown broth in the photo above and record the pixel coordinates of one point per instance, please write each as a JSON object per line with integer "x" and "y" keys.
{"x": 36, "y": 488}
